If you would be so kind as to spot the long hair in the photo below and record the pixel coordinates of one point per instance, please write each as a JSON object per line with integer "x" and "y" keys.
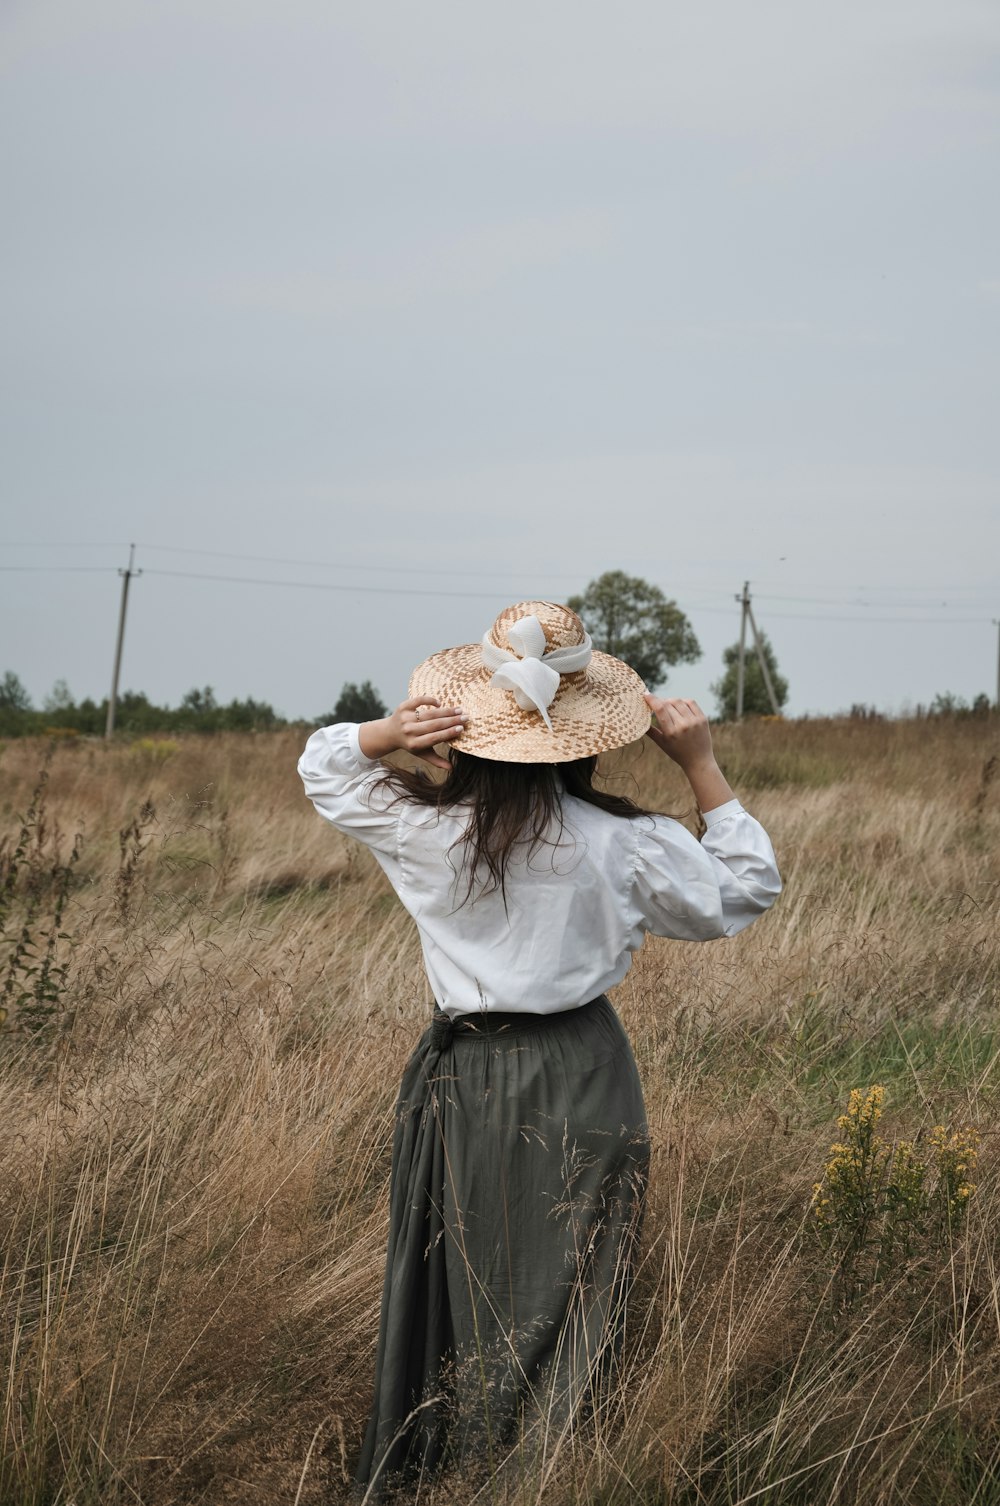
{"x": 511, "y": 804}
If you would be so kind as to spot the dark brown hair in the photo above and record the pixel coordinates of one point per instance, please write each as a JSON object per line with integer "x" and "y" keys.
{"x": 511, "y": 804}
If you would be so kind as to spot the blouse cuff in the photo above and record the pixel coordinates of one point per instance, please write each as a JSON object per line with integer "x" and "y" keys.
{"x": 720, "y": 812}
{"x": 354, "y": 743}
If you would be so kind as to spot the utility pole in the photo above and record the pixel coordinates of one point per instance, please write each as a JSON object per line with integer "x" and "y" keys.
{"x": 763, "y": 662}
{"x": 744, "y": 602}
{"x": 126, "y": 576}
{"x": 996, "y": 624}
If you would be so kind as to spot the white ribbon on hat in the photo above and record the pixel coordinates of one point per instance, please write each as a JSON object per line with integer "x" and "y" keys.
{"x": 533, "y": 679}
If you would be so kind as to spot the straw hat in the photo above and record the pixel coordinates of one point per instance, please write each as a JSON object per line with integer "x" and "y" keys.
{"x": 535, "y": 691}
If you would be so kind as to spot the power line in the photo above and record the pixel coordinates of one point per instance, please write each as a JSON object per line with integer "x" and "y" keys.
{"x": 840, "y": 601}
{"x": 270, "y": 559}
{"x": 424, "y": 571}
{"x": 53, "y": 569}
{"x": 863, "y": 621}
{"x": 313, "y": 585}
{"x": 309, "y": 585}
{"x": 493, "y": 575}
{"x": 64, "y": 544}
{"x": 382, "y": 569}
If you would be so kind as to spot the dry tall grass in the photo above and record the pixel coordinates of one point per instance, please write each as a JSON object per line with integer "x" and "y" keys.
{"x": 197, "y": 1092}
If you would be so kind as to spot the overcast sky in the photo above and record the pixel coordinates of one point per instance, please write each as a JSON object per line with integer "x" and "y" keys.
{"x": 477, "y": 301}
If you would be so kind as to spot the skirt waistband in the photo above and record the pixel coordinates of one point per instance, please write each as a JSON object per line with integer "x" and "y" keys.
{"x": 484, "y": 1025}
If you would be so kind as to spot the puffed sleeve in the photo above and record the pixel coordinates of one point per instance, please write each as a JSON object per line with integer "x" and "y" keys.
{"x": 697, "y": 891}
{"x": 339, "y": 780}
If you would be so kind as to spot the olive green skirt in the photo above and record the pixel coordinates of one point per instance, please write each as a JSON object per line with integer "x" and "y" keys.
{"x": 519, "y": 1170}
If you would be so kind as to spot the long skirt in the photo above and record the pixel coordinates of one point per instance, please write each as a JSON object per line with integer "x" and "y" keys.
{"x": 519, "y": 1168}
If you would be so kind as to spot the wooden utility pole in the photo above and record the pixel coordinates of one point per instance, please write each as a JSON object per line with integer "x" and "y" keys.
{"x": 746, "y": 615}
{"x": 761, "y": 660}
{"x": 126, "y": 576}
{"x": 744, "y": 602}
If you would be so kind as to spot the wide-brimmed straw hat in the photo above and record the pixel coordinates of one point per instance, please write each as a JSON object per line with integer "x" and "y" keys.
{"x": 535, "y": 691}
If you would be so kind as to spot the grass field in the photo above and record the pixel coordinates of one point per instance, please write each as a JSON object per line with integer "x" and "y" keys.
{"x": 210, "y": 1006}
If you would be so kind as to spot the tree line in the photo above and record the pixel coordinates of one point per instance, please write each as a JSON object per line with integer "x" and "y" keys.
{"x": 137, "y": 715}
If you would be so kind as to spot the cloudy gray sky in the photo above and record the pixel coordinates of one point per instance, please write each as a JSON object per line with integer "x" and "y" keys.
{"x": 420, "y": 310}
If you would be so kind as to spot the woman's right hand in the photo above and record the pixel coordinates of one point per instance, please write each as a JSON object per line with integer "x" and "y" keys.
{"x": 416, "y": 725}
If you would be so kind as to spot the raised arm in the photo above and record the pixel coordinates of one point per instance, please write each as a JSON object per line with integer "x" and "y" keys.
{"x": 339, "y": 767}
{"x": 416, "y": 725}
{"x": 694, "y": 890}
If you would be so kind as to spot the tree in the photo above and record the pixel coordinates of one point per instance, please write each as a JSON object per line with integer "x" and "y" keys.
{"x": 249, "y": 716}
{"x": 357, "y": 703}
{"x": 15, "y": 707}
{"x": 59, "y": 698}
{"x": 59, "y": 710}
{"x": 13, "y": 695}
{"x": 199, "y": 702}
{"x": 90, "y": 717}
{"x": 634, "y": 621}
{"x": 198, "y": 711}
{"x": 756, "y": 701}
{"x": 947, "y": 703}
{"x": 136, "y": 713}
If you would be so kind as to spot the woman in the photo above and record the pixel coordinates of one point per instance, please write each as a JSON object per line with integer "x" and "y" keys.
{"x": 521, "y": 1148}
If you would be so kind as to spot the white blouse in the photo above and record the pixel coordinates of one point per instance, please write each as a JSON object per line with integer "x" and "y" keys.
{"x": 574, "y": 914}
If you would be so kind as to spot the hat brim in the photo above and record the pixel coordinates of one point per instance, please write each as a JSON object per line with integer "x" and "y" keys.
{"x": 594, "y": 710}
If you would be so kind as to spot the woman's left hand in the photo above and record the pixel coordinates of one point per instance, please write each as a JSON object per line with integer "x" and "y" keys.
{"x": 681, "y": 731}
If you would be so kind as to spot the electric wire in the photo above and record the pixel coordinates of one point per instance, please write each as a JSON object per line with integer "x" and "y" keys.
{"x": 313, "y": 585}
{"x": 860, "y": 607}
{"x": 401, "y": 590}
{"x": 424, "y": 571}
{"x": 479, "y": 596}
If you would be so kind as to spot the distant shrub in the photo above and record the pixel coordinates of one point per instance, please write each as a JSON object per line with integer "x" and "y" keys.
{"x": 154, "y": 749}
{"x": 861, "y": 712}
{"x": 947, "y": 704}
